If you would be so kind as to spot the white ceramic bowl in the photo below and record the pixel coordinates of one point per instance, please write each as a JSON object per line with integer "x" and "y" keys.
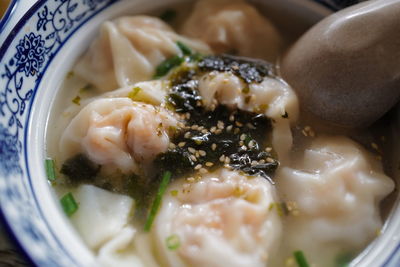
{"x": 35, "y": 58}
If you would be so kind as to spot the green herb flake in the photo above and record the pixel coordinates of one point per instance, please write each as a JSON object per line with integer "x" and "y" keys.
{"x": 167, "y": 65}
{"x": 173, "y": 242}
{"x": 77, "y": 100}
{"x": 168, "y": 15}
{"x": 300, "y": 258}
{"x": 50, "y": 169}
{"x": 246, "y": 90}
{"x": 86, "y": 88}
{"x": 157, "y": 201}
{"x": 69, "y": 204}
{"x": 70, "y": 74}
{"x": 132, "y": 94}
{"x": 184, "y": 48}
{"x": 174, "y": 193}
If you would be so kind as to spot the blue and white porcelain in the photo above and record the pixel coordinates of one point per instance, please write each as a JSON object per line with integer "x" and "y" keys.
{"x": 35, "y": 57}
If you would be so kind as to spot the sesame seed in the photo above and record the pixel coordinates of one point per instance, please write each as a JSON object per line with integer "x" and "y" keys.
{"x": 192, "y": 150}
{"x": 187, "y": 115}
{"x": 204, "y": 131}
{"x": 181, "y": 125}
{"x": 222, "y": 158}
{"x": 203, "y": 170}
{"x": 254, "y": 163}
{"x": 195, "y": 127}
{"x": 182, "y": 144}
{"x": 261, "y": 161}
{"x": 197, "y": 154}
{"x": 172, "y": 145}
{"x": 251, "y": 144}
{"x": 198, "y": 167}
{"x": 209, "y": 164}
{"x": 213, "y": 107}
{"x": 190, "y": 179}
{"x": 187, "y": 135}
{"x": 250, "y": 126}
{"x": 244, "y": 148}
{"x": 229, "y": 128}
{"x": 202, "y": 153}
{"x": 192, "y": 157}
{"x": 304, "y": 133}
{"x": 214, "y": 146}
{"x": 227, "y": 160}
{"x": 236, "y": 131}
{"x": 231, "y": 118}
{"x": 242, "y": 137}
{"x": 238, "y": 124}
{"x": 219, "y": 131}
{"x": 220, "y": 125}
{"x": 241, "y": 143}
{"x": 268, "y": 149}
{"x": 270, "y": 160}
{"x": 213, "y": 129}
{"x": 200, "y": 128}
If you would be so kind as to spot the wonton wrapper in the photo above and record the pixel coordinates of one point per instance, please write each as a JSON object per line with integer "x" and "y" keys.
{"x": 337, "y": 188}
{"x": 223, "y": 219}
{"x": 118, "y": 132}
{"x": 128, "y": 50}
{"x": 272, "y": 97}
{"x": 233, "y": 26}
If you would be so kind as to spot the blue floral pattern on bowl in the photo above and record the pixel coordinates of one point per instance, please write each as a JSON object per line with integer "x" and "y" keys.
{"x": 24, "y": 57}
{"x": 20, "y": 75}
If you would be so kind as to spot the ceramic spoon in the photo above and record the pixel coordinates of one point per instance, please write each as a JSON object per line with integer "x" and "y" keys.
{"x": 346, "y": 69}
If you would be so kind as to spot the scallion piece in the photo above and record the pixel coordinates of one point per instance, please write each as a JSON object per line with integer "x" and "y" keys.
{"x": 50, "y": 169}
{"x": 184, "y": 49}
{"x": 157, "y": 201}
{"x": 168, "y": 65}
{"x": 173, "y": 242}
{"x": 300, "y": 258}
{"x": 69, "y": 204}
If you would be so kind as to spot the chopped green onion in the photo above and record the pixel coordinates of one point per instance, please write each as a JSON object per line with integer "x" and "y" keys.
{"x": 184, "y": 49}
{"x": 157, "y": 201}
{"x": 168, "y": 15}
{"x": 173, "y": 242}
{"x": 69, "y": 204}
{"x": 300, "y": 258}
{"x": 167, "y": 65}
{"x": 50, "y": 169}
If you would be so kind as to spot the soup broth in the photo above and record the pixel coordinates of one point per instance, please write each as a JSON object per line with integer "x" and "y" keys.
{"x": 171, "y": 149}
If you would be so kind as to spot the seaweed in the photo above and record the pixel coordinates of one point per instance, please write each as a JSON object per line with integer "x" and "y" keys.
{"x": 80, "y": 169}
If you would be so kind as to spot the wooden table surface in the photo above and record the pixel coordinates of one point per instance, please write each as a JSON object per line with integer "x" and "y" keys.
{"x": 10, "y": 256}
